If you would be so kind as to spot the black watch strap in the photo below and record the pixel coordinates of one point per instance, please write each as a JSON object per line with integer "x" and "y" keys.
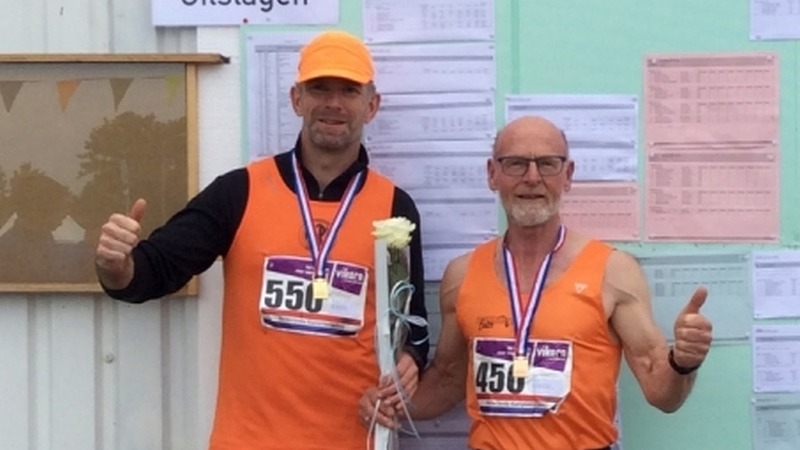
{"x": 676, "y": 367}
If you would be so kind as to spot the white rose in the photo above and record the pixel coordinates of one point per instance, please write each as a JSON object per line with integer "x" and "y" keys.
{"x": 395, "y": 231}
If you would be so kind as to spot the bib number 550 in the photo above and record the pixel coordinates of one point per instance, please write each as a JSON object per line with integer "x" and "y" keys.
{"x": 293, "y": 294}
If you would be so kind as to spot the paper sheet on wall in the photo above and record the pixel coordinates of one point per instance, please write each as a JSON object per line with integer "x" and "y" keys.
{"x": 435, "y": 169}
{"x": 776, "y": 358}
{"x": 601, "y": 130}
{"x": 428, "y": 20}
{"x": 711, "y": 132}
{"x": 607, "y": 211}
{"x": 432, "y": 117}
{"x": 464, "y": 67}
{"x": 272, "y": 125}
{"x": 776, "y": 284}
{"x": 438, "y": 255}
{"x": 775, "y": 421}
{"x": 774, "y": 19}
{"x": 447, "y": 180}
{"x": 674, "y": 278}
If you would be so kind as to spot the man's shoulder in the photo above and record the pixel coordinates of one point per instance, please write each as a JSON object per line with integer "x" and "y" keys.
{"x": 623, "y": 277}
{"x": 456, "y": 269}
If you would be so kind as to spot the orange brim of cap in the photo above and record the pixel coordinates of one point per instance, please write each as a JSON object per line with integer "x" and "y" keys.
{"x": 338, "y": 72}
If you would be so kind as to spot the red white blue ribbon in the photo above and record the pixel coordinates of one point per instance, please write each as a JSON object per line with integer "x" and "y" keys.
{"x": 321, "y": 250}
{"x": 523, "y": 319}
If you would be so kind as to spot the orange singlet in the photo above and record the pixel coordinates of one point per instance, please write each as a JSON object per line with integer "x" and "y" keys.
{"x": 284, "y": 385}
{"x": 569, "y": 330}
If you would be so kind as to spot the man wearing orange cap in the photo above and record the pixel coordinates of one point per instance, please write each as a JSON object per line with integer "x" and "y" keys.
{"x": 294, "y": 231}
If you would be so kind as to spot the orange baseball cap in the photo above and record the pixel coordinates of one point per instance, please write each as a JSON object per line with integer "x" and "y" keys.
{"x": 335, "y": 54}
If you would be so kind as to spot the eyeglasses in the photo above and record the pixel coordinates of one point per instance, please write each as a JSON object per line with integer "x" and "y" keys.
{"x": 517, "y": 166}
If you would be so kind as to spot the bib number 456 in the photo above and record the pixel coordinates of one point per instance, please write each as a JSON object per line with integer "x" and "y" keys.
{"x": 293, "y": 294}
{"x": 497, "y": 378}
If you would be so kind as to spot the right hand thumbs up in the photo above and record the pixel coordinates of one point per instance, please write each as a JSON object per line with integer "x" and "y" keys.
{"x": 118, "y": 237}
{"x": 138, "y": 209}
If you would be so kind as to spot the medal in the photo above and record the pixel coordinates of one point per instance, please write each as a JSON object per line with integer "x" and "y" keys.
{"x": 321, "y": 247}
{"x": 520, "y": 367}
{"x": 523, "y": 317}
{"x": 320, "y": 289}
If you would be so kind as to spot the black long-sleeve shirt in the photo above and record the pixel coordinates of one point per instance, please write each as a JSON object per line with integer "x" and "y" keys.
{"x": 191, "y": 240}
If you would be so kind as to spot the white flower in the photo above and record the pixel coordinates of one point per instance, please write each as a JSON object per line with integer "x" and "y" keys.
{"x": 395, "y": 231}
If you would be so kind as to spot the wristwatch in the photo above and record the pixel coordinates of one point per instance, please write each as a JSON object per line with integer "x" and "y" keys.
{"x": 676, "y": 367}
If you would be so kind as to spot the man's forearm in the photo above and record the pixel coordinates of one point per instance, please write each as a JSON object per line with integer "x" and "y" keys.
{"x": 438, "y": 392}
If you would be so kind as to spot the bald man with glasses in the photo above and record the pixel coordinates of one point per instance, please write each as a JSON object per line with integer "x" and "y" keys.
{"x": 545, "y": 376}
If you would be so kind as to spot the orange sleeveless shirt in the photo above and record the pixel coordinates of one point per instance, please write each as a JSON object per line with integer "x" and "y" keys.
{"x": 570, "y": 309}
{"x": 284, "y": 390}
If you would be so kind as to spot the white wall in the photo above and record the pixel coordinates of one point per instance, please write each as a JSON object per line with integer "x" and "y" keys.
{"x": 84, "y": 372}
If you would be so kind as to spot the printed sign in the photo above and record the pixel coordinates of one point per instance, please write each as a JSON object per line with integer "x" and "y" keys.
{"x": 237, "y": 12}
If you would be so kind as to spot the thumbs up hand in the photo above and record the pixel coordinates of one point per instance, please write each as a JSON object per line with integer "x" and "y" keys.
{"x": 692, "y": 332}
{"x": 118, "y": 237}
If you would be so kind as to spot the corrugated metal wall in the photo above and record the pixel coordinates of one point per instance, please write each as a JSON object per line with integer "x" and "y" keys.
{"x": 84, "y": 372}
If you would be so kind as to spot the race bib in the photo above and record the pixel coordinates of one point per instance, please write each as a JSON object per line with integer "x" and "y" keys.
{"x": 288, "y": 303}
{"x": 543, "y": 389}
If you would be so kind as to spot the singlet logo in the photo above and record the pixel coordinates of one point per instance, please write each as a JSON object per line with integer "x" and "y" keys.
{"x": 580, "y": 287}
{"x": 488, "y": 322}
{"x": 321, "y": 228}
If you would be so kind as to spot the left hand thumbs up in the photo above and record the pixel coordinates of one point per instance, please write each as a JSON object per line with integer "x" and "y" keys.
{"x": 696, "y": 302}
{"x": 692, "y": 332}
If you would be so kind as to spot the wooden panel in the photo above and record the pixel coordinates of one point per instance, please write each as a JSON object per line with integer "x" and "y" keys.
{"x": 70, "y": 176}
{"x": 188, "y": 58}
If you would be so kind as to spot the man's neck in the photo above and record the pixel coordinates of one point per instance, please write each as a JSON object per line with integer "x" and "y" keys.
{"x": 529, "y": 247}
{"x": 326, "y": 165}
{"x": 532, "y": 243}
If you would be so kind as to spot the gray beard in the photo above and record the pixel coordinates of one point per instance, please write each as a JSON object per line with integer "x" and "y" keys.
{"x": 533, "y": 217}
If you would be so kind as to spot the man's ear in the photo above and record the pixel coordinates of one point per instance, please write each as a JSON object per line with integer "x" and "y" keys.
{"x": 570, "y": 172}
{"x": 490, "y": 172}
{"x": 294, "y": 97}
{"x": 373, "y": 106}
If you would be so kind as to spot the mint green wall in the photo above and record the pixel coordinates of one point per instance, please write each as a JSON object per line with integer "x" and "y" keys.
{"x": 597, "y": 47}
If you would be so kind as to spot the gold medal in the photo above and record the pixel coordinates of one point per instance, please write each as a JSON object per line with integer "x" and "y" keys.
{"x": 520, "y": 367}
{"x": 320, "y": 289}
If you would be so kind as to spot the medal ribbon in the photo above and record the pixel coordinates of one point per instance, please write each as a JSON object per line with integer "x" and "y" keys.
{"x": 319, "y": 253}
{"x": 524, "y": 319}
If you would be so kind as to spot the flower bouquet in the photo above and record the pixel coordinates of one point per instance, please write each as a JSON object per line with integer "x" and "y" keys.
{"x": 393, "y": 300}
